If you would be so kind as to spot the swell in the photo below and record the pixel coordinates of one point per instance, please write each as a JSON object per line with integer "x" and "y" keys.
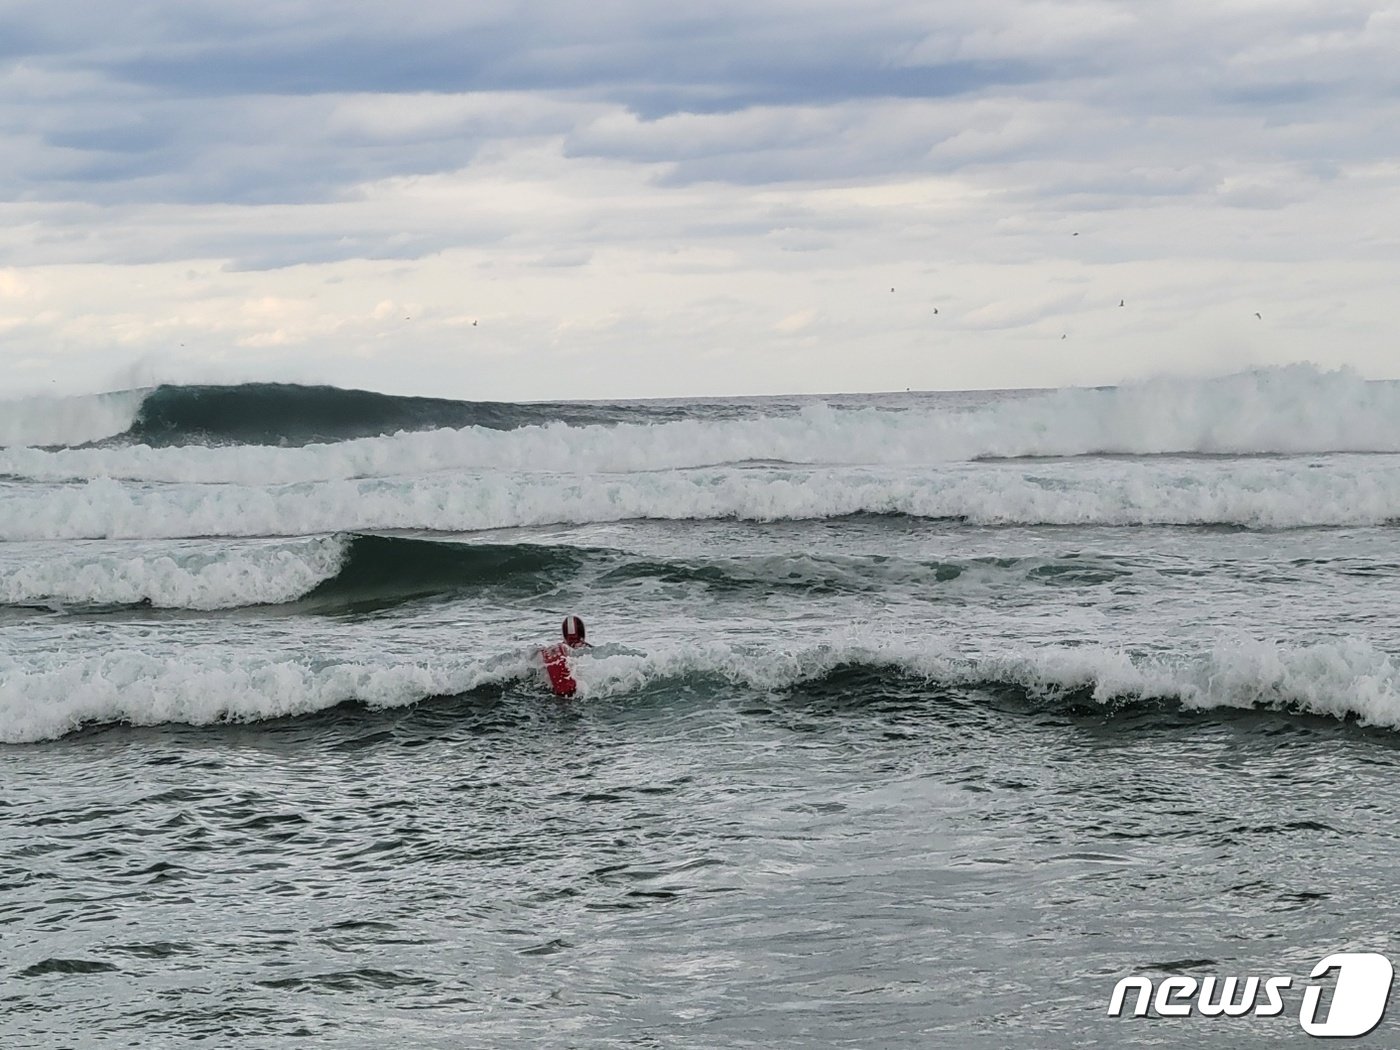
{"x": 1347, "y": 681}
{"x": 357, "y": 573}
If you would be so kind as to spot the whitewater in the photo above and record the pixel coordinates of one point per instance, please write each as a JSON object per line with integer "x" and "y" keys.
{"x": 909, "y": 719}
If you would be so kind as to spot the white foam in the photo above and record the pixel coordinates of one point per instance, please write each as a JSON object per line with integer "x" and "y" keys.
{"x": 47, "y": 697}
{"x": 1294, "y": 409}
{"x": 1256, "y": 493}
{"x": 203, "y": 686}
{"x": 236, "y": 575}
{"x": 65, "y": 420}
{"x": 1340, "y": 679}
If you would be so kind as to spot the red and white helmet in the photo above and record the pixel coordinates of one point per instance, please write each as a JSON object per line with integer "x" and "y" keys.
{"x": 573, "y": 630}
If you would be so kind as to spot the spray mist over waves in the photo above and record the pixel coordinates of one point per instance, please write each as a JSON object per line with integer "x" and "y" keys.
{"x": 1345, "y": 680}
{"x": 67, "y": 420}
{"x": 1291, "y": 410}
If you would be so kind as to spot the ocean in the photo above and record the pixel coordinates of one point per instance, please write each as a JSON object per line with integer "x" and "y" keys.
{"x": 911, "y": 719}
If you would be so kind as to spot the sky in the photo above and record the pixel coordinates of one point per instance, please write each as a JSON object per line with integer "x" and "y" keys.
{"x": 517, "y": 201}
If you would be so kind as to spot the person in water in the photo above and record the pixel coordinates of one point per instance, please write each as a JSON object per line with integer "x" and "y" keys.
{"x": 556, "y": 657}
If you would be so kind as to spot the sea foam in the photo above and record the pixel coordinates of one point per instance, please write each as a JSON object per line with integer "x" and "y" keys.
{"x": 192, "y": 577}
{"x": 1253, "y": 493}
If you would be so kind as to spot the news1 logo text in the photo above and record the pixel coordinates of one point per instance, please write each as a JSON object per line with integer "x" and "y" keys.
{"x": 1360, "y": 984}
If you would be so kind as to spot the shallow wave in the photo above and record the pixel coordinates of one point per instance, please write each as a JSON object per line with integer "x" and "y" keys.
{"x": 1344, "y": 680}
{"x": 1243, "y": 493}
{"x": 1290, "y": 410}
{"x": 333, "y": 573}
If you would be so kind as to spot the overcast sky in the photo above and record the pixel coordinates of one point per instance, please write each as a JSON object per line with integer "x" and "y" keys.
{"x": 489, "y": 199}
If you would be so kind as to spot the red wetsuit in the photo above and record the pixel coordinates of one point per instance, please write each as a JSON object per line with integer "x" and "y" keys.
{"x": 556, "y": 665}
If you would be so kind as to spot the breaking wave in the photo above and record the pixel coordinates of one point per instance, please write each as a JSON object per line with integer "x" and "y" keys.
{"x": 281, "y": 414}
{"x": 352, "y": 434}
{"x": 1344, "y": 680}
{"x": 332, "y": 573}
{"x": 67, "y": 420}
{"x": 1248, "y": 493}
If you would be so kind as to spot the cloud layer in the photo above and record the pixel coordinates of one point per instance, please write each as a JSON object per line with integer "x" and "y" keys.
{"x": 512, "y": 200}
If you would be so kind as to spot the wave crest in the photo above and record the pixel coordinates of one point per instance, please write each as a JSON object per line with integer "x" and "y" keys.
{"x": 1344, "y": 680}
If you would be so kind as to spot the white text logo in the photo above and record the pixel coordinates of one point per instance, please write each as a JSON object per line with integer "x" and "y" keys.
{"x": 1359, "y": 995}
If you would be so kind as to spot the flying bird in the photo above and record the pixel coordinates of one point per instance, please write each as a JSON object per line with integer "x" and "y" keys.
{"x": 935, "y": 309}
{"x": 1120, "y": 302}
{"x": 1257, "y": 315}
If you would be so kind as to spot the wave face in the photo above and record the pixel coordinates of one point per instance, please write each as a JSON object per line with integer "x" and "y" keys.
{"x": 288, "y": 414}
{"x": 279, "y": 414}
{"x": 1340, "y": 680}
{"x": 340, "y": 573}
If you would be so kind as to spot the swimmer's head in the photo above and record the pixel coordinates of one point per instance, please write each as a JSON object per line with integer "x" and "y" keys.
{"x": 573, "y": 630}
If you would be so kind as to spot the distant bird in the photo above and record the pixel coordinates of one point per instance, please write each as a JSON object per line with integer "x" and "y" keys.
{"x": 935, "y": 309}
{"x": 1257, "y": 315}
{"x": 1075, "y": 233}
{"x": 891, "y": 289}
{"x": 1062, "y": 337}
{"x": 473, "y": 324}
{"x": 1120, "y": 302}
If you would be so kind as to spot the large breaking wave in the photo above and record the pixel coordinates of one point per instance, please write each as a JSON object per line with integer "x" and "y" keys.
{"x": 270, "y": 414}
{"x": 351, "y": 434}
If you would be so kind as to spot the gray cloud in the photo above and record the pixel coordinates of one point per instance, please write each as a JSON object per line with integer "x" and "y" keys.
{"x": 264, "y": 134}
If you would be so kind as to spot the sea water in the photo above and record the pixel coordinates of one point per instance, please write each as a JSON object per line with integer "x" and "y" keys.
{"x": 910, "y": 720}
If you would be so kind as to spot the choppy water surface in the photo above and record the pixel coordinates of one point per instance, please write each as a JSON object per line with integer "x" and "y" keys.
{"x": 910, "y": 721}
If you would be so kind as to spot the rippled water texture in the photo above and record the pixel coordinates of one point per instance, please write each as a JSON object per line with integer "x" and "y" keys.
{"x": 858, "y": 862}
